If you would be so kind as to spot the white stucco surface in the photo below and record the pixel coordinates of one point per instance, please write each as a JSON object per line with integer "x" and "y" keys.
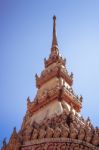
{"x": 48, "y": 111}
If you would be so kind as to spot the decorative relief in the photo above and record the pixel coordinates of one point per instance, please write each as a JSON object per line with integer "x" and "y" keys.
{"x": 42, "y": 133}
{"x": 66, "y": 126}
{"x": 73, "y": 131}
{"x": 59, "y": 144}
{"x": 81, "y": 134}
{"x": 88, "y": 136}
{"x": 49, "y": 132}
{"x": 62, "y": 132}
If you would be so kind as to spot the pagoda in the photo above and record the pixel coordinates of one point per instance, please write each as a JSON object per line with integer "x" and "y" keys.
{"x": 52, "y": 120}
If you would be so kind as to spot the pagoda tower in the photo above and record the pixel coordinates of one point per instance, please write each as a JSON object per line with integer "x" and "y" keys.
{"x": 52, "y": 120}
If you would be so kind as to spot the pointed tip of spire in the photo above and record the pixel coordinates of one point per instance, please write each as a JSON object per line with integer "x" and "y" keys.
{"x": 4, "y": 140}
{"x": 14, "y": 130}
{"x": 54, "y": 40}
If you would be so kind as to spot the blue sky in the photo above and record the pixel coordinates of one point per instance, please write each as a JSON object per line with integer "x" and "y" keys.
{"x": 25, "y": 39}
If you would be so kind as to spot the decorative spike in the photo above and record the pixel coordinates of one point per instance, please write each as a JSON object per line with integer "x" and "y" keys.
{"x": 54, "y": 41}
{"x": 4, "y": 144}
{"x": 28, "y": 99}
{"x": 36, "y": 76}
{"x": 88, "y": 119}
{"x": 71, "y": 75}
{"x": 81, "y": 98}
{"x": 14, "y": 133}
{"x": 28, "y": 103}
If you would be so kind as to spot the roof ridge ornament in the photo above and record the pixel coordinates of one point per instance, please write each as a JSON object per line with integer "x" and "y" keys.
{"x": 54, "y": 40}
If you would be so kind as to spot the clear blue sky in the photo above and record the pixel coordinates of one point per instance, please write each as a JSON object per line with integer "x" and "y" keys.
{"x": 25, "y": 39}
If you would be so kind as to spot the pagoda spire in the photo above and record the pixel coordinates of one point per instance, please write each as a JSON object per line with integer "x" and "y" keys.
{"x": 54, "y": 55}
{"x": 54, "y": 40}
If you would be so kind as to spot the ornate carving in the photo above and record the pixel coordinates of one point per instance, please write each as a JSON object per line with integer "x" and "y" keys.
{"x": 49, "y": 132}
{"x": 64, "y": 126}
{"x": 81, "y": 134}
{"x": 95, "y": 139}
{"x": 57, "y": 145}
{"x": 59, "y": 127}
{"x": 57, "y": 132}
{"x": 42, "y": 133}
{"x": 73, "y": 131}
{"x": 28, "y": 133}
{"x": 64, "y": 130}
{"x": 88, "y": 136}
{"x": 35, "y": 134}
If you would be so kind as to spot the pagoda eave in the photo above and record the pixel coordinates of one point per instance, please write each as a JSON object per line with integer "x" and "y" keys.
{"x": 54, "y": 73}
{"x": 51, "y": 96}
{"x": 56, "y": 94}
{"x": 72, "y": 103}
